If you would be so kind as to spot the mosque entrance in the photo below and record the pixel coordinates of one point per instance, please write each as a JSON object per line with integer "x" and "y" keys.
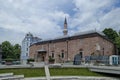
{"x": 41, "y": 55}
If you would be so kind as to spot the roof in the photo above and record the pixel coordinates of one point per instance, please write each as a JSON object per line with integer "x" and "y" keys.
{"x": 89, "y": 32}
{"x": 74, "y": 36}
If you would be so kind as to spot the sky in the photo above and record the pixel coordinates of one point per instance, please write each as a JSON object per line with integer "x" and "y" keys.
{"x": 45, "y": 18}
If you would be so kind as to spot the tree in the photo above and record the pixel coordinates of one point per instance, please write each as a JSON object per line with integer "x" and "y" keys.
{"x": 110, "y": 33}
{"x": 113, "y": 36}
{"x": 119, "y": 32}
{"x": 10, "y": 51}
{"x": 17, "y": 51}
{"x": 117, "y": 42}
{"x": 7, "y": 50}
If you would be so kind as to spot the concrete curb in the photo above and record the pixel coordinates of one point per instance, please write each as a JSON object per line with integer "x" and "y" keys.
{"x": 73, "y": 78}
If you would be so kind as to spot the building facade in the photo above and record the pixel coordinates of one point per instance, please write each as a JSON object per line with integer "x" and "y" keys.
{"x": 71, "y": 48}
{"x": 27, "y": 41}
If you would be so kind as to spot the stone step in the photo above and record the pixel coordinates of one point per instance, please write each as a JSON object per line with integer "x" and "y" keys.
{"x": 6, "y": 75}
{"x": 15, "y": 77}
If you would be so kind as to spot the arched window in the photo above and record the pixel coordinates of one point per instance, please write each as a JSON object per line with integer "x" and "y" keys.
{"x": 62, "y": 55}
{"x": 81, "y": 53}
{"x": 52, "y": 54}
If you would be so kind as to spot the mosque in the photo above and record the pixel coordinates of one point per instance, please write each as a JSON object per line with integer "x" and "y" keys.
{"x": 72, "y": 48}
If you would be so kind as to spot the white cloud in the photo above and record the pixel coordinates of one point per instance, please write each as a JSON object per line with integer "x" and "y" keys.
{"x": 10, "y": 35}
{"x": 45, "y": 17}
{"x": 111, "y": 19}
{"x": 95, "y": 14}
{"x": 35, "y": 16}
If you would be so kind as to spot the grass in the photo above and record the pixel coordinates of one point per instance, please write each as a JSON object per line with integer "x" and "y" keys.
{"x": 26, "y": 72}
{"x": 72, "y": 72}
{"x": 37, "y": 72}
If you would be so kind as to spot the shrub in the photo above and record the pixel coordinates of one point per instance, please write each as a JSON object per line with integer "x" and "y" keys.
{"x": 51, "y": 59}
{"x": 30, "y": 60}
{"x": 8, "y": 59}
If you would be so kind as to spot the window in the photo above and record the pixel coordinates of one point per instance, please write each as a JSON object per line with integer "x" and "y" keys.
{"x": 27, "y": 49}
{"x": 52, "y": 55}
{"x": 27, "y": 43}
{"x": 62, "y": 55}
{"x": 81, "y": 54}
{"x": 26, "y": 54}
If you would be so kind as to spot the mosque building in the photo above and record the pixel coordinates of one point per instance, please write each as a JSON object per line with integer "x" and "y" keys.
{"x": 69, "y": 48}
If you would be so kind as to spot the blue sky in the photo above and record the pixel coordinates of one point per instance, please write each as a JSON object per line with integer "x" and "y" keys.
{"x": 44, "y": 18}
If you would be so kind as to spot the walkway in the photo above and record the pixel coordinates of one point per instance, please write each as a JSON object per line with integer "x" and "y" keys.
{"x": 106, "y": 69}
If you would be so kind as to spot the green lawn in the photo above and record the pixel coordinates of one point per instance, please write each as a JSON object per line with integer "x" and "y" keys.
{"x": 72, "y": 72}
{"x": 27, "y": 72}
{"x": 36, "y": 72}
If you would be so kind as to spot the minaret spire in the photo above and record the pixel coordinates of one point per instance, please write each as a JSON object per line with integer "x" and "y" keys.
{"x": 65, "y": 22}
{"x": 65, "y": 31}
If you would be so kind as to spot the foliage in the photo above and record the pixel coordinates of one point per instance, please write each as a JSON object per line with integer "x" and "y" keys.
{"x": 110, "y": 33}
{"x": 17, "y": 51}
{"x": 113, "y": 36}
{"x": 119, "y": 33}
{"x": 10, "y": 51}
{"x": 117, "y": 42}
{"x": 8, "y": 59}
{"x": 30, "y": 60}
{"x": 7, "y": 49}
{"x": 51, "y": 59}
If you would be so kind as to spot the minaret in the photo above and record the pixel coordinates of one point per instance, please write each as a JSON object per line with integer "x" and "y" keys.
{"x": 65, "y": 31}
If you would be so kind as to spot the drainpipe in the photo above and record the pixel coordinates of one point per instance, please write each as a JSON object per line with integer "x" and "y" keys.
{"x": 67, "y": 50}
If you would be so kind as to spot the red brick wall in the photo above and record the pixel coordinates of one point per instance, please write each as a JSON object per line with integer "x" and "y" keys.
{"x": 108, "y": 46}
{"x": 88, "y": 45}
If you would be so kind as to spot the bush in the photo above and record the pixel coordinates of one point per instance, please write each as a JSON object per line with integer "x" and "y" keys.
{"x": 30, "y": 60}
{"x": 51, "y": 60}
{"x": 8, "y": 59}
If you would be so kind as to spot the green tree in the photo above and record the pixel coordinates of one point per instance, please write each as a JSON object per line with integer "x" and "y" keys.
{"x": 7, "y": 49}
{"x": 110, "y": 33}
{"x": 16, "y": 51}
{"x": 10, "y": 51}
{"x": 119, "y": 33}
{"x": 114, "y": 36}
{"x": 117, "y": 42}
